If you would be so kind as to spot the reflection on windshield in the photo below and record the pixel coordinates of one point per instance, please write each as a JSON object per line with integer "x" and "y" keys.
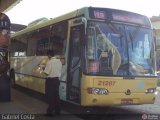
{"x": 140, "y": 49}
{"x": 119, "y": 50}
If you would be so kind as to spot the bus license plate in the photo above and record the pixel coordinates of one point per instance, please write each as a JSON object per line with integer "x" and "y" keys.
{"x": 127, "y": 101}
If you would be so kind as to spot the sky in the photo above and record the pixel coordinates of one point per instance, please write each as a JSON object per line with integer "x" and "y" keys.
{"x": 29, "y": 10}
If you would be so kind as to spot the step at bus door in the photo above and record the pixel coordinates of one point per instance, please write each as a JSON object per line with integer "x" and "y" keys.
{"x": 74, "y": 67}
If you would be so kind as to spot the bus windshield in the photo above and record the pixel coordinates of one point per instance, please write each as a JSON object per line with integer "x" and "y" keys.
{"x": 119, "y": 49}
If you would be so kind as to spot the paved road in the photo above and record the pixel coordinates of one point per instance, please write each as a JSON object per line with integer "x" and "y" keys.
{"x": 22, "y": 103}
{"x": 135, "y": 112}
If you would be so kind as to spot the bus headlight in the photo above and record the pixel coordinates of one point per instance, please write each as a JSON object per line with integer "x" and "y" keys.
{"x": 150, "y": 90}
{"x": 97, "y": 91}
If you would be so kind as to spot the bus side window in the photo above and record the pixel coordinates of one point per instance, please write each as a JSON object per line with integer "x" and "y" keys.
{"x": 31, "y": 47}
{"x": 58, "y": 38}
{"x": 42, "y": 46}
{"x": 56, "y": 44}
{"x": 21, "y": 49}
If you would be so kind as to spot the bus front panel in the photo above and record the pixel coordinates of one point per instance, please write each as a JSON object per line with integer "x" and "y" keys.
{"x": 108, "y": 91}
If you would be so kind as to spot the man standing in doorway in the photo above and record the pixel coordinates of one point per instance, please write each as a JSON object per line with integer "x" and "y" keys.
{"x": 53, "y": 71}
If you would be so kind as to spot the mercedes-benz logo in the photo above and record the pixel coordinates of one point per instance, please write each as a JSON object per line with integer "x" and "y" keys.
{"x": 128, "y": 92}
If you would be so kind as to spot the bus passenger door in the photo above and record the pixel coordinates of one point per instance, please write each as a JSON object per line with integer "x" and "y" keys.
{"x": 74, "y": 67}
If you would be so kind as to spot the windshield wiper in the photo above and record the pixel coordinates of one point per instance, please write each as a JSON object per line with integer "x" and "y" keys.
{"x": 131, "y": 38}
{"x": 112, "y": 27}
{"x": 132, "y": 35}
{"x": 135, "y": 31}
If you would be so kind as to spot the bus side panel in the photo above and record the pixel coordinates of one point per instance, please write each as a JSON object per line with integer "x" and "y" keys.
{"x": 29, "y": 72}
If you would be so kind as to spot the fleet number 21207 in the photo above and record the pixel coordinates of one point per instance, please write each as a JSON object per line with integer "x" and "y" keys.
{"x": 106, "y": 83}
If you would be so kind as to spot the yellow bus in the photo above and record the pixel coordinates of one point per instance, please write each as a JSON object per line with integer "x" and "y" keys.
{"x": 109, "y": 56}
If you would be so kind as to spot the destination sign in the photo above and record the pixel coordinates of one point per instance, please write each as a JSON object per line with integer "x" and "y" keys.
{"x": 118, "y": 15}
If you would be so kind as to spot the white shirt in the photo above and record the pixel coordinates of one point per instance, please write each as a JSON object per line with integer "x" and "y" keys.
{"x": 53, "y": 68}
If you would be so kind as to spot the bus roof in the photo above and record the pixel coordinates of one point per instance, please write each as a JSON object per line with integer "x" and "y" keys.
{"x": 88, "y": 13}
{"x": 70, "y": 15}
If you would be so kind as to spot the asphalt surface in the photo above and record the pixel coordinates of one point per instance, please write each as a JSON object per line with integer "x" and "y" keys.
{"x": 25, "y": 107}
{"x": 22, "y": 104}
{"x": 128, "y": 112}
